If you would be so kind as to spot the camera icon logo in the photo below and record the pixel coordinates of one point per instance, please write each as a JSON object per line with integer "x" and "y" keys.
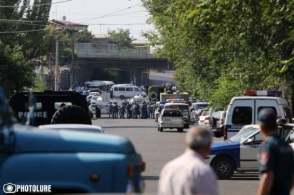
{"x": 9, "y": 188}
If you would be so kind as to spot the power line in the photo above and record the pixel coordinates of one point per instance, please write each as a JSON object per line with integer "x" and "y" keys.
{"x": 8, "y": 6}
{"x": 121, "y": 24}
{"x": 25, "y": 31}
{"x": 111, "y": 13}
{"x": 23, "y": 21}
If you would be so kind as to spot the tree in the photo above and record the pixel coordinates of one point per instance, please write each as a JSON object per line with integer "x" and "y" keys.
{"x": 15, "y": 74}
{"x": 123, "y": 38}
{"x": 225, "y": 44}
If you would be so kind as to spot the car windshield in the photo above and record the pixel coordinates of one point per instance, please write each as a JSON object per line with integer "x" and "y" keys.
{"x": 216, "y": 115}
{"x": 239, "y": 137}
{"x": 200, "y": 106}
{"x": 205, "y": 113}
{"x": 172, "y": 113}
{"x": 183, "y": 108}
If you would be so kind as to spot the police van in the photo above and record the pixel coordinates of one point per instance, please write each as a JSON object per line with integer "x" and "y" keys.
{"x": 126, "y": 90}
{"x": 244, "y": 110}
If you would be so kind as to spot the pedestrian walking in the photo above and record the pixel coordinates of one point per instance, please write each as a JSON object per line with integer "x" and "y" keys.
{"x": 188, "y": 173}
{"x": 122, "y": 110}
{"x": 129, "y": 110}
{"x": 276, "y": 160}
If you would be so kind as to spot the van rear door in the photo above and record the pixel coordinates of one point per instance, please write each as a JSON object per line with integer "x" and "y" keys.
{"x": 266, "y": 105}
{"x": 240, "y": 113}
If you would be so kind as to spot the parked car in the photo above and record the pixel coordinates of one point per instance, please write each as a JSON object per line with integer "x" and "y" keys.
{"x": 216, "y": 122}
{"x": 171, "y": 118}
{"x": 73, "y": 127}
{"x": 239, "y": 153}
{"x": 204, "y": 118}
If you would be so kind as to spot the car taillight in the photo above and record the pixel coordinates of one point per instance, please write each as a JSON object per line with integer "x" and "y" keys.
{"x": 130, "y": 171}
{"x": 207, "y": 118}
{"x": 143, "y": 166}
{"x": 225, "y": 133}
{"x": 278, "y": 116}
{"x": 222, "y": 121}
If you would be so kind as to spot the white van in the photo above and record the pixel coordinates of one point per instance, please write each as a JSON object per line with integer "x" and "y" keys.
{"x": 244, "y": 110}
{"x": 126, "y": 90}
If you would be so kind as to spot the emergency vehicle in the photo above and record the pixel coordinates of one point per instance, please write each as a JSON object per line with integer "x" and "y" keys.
{"x": 239, "y": 153}
{"x": 244, "y": 110}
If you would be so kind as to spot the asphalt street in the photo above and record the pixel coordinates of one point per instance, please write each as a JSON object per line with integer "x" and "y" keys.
{"x": 157, "y": 148}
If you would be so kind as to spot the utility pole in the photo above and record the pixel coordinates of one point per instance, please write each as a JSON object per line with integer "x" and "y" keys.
{"x": 72, "y": 60}
{"x": 56, "y": 62}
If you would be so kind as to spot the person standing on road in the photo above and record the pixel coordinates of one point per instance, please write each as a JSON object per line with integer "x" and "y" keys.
{"x": 110, "y": 108}
{"x": 188, "y": 173}
{"x": 276, "y": 160}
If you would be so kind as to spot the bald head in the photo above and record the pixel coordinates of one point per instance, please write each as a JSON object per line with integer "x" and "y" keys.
{"x": 198, "y": 138}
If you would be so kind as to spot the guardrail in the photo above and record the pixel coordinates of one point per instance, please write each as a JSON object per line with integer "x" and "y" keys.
{"x": 115, "y": 55}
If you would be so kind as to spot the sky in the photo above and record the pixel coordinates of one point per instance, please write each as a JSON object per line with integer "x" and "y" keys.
{"x": 104, "y": 15}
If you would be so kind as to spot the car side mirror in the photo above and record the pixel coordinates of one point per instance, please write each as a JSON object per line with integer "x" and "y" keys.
{"x": 249, "y": 141}
{"x": 281, "y": 122}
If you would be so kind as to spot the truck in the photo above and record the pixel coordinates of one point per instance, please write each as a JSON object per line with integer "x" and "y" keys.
{"x": 175, "y": 96}
{"x": 154, "y": 92}
{"x": 38, "y": 160}
{"x": 52, "y": 107}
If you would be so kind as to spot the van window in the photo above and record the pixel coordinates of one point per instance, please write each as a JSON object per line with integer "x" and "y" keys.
{"x": 129, "y": 89}
{"x": 242, "y": 115}
{"x": 137, "y": 89}
{"x": 58, "y": 105}
{"x": 122, "y": 89}
{"x": 38, "y": 106}
{"x": 115, "y": 89}
{"x": 267, "y": 109}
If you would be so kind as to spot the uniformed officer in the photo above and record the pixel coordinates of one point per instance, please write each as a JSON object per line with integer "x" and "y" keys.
{"x": 276, "y": 160}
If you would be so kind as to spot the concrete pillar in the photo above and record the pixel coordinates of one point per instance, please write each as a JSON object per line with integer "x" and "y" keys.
{"x": 139, "y": 74}
{"x": 145, "y": 77}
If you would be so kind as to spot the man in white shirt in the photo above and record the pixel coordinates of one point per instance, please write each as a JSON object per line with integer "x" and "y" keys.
{"x": 188, "y": 174}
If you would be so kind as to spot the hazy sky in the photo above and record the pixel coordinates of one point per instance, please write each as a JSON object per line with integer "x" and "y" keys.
{"x": 102, "y": 15}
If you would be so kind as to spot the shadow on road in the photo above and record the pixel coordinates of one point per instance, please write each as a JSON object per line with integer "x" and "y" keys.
{"x": 245, "y": 176}
{"x": 171, "y": 131}
{"x": 154, "y": 178}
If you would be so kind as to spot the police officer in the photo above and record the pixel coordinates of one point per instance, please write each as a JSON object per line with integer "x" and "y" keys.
{"x": 110, "y": 110}
{"x": 276, "y": 160}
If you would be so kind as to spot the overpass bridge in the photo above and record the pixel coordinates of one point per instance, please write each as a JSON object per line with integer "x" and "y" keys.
{"x": 137, "y": 62}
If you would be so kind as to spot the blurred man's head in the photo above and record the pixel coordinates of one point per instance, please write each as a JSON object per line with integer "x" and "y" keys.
{"x": 199, "y": 139}
{"x": 268, "y": 123}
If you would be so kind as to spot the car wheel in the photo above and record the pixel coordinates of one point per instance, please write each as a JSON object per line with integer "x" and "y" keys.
{"x": 71, "y": 114}
{"x": 160, "y": 129}
{"x": 223, "y": 167}
{"x": 186, "y": 126}
{"x": 180, "y": 129}
{"x": 122, "y": 97}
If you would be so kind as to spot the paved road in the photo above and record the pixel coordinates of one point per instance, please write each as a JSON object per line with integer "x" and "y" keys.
{"x": 158, "y": 148}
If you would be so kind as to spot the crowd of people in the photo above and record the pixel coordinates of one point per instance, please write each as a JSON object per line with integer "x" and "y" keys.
{"x": 132, "y": 110}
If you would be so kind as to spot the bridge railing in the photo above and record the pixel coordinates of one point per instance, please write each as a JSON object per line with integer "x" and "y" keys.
{"x": 89, "y": 51}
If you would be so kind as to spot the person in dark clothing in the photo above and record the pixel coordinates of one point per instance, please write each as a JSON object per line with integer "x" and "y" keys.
{"x": 115, "y": 111}
{"x": 144, "y": 111}
{"x": 276, "y": 159}
{"x": 111, "y": 93}
{"x": 122, "y": 110}
{"x": 129, "y": 110}
{"x": 110, "y": 109}
{"x": 137, "y": 110}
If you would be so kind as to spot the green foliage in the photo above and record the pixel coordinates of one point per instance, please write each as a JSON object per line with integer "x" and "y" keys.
{"x": 222, "y": 47}
{"x": 40, "y": 83}
{"x": 84, "y": 37}
{"x": 123, "y": 38}
{"x": 15, "y": 74}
